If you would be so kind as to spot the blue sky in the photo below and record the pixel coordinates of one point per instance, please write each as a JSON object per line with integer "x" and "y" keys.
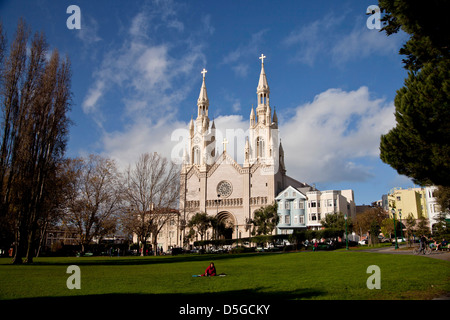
{"x": 136, "y": 78}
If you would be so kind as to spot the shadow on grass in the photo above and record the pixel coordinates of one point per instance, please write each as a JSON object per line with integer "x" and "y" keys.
{"x": 169, "y": 306}
{"x": 99, "y": 260}
{"x": 245, "y": 295}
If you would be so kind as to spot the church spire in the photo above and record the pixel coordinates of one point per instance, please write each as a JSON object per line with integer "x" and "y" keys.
{"x": 263, "y": 92}
{"x": 263, "y": 86}
{"x": 252, "y": 118}
{"x": 203, "y": 101}
{"x": 202, "y": 120}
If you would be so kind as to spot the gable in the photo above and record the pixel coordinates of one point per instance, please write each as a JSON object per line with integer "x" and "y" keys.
{"x": 290, "y": 193}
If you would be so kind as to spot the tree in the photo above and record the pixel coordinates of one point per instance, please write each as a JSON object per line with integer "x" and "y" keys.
{"x": 265, "y": 219}
{"x": 297, "y": 238}
{"x": 387, "y": 227}
{"x": 419, "y": 146}
{"x": 200, "y": 223}
{"x": 36, "y": 97}
{"x": 370, "y": 222}
{"x": 422, "y": 226}
{"x": 151, "y": 191}
{"x": 410, "y": 223}
{"x": 427, "y": 24}
{"x": 93, "y": 207}
{"x": 441, "y": 228}
{"x": 334, "y": 225}
{"x": 442, "y": 195}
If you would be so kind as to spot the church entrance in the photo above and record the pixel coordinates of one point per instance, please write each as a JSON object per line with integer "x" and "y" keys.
{"x": 226, "y": 225}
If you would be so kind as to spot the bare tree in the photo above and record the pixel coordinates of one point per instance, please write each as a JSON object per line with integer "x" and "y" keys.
{"x": 94, "y": 206}
{"x": 151, "y": 190}
{"x": 35, "y": 97}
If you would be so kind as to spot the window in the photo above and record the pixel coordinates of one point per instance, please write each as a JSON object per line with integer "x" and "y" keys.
{"x": 295, "y": 219}
{"x": 302, "y": 219}
{"x": 313, "y": 204}
{"x": 301, "y": 204}
{"x": 295, "y": 204}
{"x": 196, "y": 155}
{"x": 399, "y": 198}
{"x": 287, "y": 205}
{"x": 330, "y": 202}
{"x": 260, "y": 147}
{"x": 313, "y": 217}
{"x": 287, "y": 219}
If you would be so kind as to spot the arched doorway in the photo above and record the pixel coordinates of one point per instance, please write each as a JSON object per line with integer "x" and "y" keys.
{"x": 227, "y": 223}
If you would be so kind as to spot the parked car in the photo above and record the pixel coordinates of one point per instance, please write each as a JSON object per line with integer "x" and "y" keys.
{"x": 399, "y": 240}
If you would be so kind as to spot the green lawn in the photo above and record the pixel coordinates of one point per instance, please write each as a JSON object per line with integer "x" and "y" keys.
{"x": 302, "y": 275}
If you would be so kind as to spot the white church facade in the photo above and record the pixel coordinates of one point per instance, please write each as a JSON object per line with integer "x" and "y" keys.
{"x": 216, "y": 183}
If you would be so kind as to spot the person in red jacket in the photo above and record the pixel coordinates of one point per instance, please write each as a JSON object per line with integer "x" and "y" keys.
{"x": 210, "y": 271}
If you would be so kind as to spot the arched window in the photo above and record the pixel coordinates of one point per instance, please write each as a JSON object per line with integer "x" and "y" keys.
{"x": 260, "y": 147}
{"x": 196, "y": 155}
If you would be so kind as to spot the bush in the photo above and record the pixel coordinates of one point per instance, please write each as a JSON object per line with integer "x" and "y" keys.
{"x": 242, "y": 250}
{"x": 288, "y": 248}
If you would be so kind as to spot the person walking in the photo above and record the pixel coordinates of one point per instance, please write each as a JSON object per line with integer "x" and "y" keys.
{"x": 423, "y": 242}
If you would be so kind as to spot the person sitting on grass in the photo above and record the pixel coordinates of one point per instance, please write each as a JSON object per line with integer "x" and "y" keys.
{"x": 210, "y": 271}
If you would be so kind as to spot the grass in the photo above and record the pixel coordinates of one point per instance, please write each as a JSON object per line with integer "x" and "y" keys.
{"x": 302, "y": 275}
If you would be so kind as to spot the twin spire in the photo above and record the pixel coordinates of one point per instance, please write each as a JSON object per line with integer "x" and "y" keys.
{"x": 263, "y": 111}
{"x": 259, "y": 144}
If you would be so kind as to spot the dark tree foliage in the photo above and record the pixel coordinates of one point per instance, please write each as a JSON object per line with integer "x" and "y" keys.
{"x": 419, "y": 145}
{"x": 428, "y": 24}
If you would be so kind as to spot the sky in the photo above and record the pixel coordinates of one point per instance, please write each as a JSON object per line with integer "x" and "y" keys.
{"x": 136, "y": 77}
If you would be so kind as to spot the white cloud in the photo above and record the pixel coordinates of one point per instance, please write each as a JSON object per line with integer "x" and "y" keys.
{"x": 362, "y": 42}
{"x": 142, "y": 136}
{"x": 88, "y": 34}
{"x": 139, "y": 25}
{"x": 312, "y": 39}
{"x": 326, "y": 38}
{"x": 252, "y": 48}
{"x": 151, "y": 77}
{"x": 328, "y": 139}
{"x": 94, "y": 94}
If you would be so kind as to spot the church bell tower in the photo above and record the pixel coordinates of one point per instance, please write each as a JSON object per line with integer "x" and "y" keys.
{"x": 263, "y": 137}
{"x": 202, "y": 137}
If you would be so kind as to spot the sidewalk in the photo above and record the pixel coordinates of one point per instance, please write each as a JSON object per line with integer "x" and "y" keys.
{"x": 402, "y": 250}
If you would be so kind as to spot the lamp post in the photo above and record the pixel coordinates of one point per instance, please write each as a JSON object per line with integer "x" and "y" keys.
{"x": 346, "y": 232}
{"x": 401, "y": 225}
{"x": 395, "y": 229}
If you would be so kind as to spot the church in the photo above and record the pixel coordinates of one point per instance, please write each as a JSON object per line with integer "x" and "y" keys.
{"x": 220, "y": 186}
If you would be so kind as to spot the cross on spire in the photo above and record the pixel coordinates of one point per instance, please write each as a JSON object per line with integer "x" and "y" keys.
{"x": 225, "y": 142}
{"x": 262, "y": 58}
{"x": 204, "y": 71}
